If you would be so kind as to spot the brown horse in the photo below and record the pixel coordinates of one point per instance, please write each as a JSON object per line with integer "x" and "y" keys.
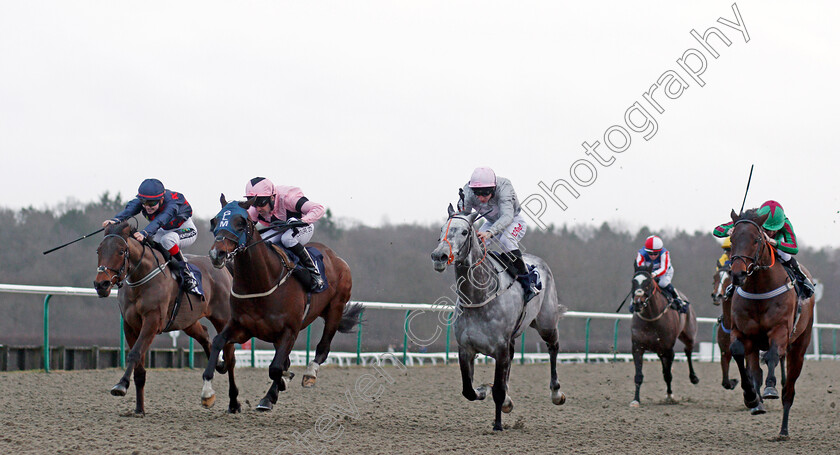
{"x": 722, "y": 279}
{"x": 148, "y": 297}
{"x": 656, "y": 328}
{"x": 268, "y": 305}
{"x": 764, "y": 314}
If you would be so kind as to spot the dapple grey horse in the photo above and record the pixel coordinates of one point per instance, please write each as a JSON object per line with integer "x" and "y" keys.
{"x": 490, "y": 314}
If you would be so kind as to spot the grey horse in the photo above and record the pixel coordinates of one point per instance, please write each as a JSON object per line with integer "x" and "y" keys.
{"x": 490, "y": 314}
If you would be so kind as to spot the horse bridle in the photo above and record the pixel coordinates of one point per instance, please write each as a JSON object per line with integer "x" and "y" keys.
{"x": 470, "y": 229}
{"x": 753, "y": 266}
{"x": 117, "y": 277}
{"x": 646, "y": 301}
{"x": 249, "y": 232}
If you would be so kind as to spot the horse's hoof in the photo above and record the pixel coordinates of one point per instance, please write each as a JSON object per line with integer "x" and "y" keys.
{"x": 634, "y": 404}
{"x": 497, "y": 427}
{"x": 507, "y": 406}
{"x": 770, "y": 393}
{"x": 730, "y": 384}
{"x": 234, "y": 409}
{"x": 558, "y": 397}
{"x": 782, "y": 437}
{"x": 208, "y": 402}
{"x": 481, "y": 391}
{"x": 221, "y": 367}
{"x": 118, "y": 390}
{"x": 758, "y": 410}
{"x": 308, "y": 381}
{"x": 265, "y": 405}
{"x": 694, "y": 379}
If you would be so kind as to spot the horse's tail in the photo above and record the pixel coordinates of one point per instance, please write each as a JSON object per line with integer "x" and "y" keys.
{"x": 350, "y": 318}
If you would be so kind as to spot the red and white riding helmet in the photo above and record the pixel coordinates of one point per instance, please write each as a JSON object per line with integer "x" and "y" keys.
{"x": 259, "y": 186}
{"x": 483, "y": 177}
{"x": 653, "y": 244}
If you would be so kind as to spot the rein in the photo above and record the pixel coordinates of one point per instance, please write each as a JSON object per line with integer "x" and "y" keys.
{"x": 647, "y": 301}
{"x": 249, "y": 231}
{"x": 129, "y": 268}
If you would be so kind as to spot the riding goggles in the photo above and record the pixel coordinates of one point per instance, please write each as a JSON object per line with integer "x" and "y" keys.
{"x": 484, "y": 191}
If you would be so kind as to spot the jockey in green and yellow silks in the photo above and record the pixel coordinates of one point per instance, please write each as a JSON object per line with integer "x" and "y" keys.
{"x": 779, "y": 228}
{"x": 723, "y": 261}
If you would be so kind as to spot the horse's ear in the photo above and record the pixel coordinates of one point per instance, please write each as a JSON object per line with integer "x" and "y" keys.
{"x": 450, "y": 210}
{"x": 472, "y": 216}
{"x": 223, "y": 200}
{"x": 248, "y": 203}
{"x": 760, "y": 220}
{"x": 213, "y": 223}
{"x": 734, "y": 215}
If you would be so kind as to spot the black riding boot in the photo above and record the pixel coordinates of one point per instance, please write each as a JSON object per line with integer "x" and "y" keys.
{"x": 804, "y": 283}
{"x": 309, "y": 265}
{"x": 676, "y": 302}
{"x": 189, "y": 284}
{"x": 523, "y": 277}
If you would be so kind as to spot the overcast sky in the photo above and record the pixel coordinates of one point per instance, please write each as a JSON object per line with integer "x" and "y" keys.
{"x": 381, "y": 110}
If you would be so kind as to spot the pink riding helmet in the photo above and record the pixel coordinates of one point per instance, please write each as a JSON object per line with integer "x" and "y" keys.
{"x": 259, "y": 186}
{"x": 483, "y": 177}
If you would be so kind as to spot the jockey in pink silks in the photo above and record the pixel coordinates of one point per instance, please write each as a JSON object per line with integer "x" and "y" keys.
{"x": 496, "y": 200}
{"x": 277, "y": 203}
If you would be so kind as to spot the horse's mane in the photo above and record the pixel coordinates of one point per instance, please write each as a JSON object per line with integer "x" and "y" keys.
{"x": 117, "y": 229}
{"x": 751, "y": 214}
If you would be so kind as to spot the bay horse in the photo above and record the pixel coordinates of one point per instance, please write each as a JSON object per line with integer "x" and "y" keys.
{"x": 722, "y": 279}
{"x": 146, "y": 299}
{"x": 764, "y": 314}
{"x": 489, "y": 315}
{"x": 268, "y": 305}
{"x": 656, "y": 327}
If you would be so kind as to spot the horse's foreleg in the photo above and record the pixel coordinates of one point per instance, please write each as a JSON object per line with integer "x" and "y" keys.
{"x": 638, "y": 352}
{"x": 233, "y": 391}
{"x": 136, "y": 356}
{"x": 140, "y": 386}
{"x": 739, "y": 350}
{"x": 771, "y": 358}
{"x": 208, "y": 395}
{"x": 725, "y": 358}
{"x": 667, "y": 360}
{"x": 282, "y": 348}
{"x": 499, "y": 389}
{"x": 466, "y": 361}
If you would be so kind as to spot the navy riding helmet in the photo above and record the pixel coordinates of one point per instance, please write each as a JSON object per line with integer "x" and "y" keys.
{"x": 150, "y": 189}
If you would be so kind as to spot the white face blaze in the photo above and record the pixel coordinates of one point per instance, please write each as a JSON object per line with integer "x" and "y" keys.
{"x": 640, "y": 278}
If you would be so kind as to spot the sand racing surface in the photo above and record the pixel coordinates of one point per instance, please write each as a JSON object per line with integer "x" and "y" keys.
{"x": 422, "y": 411}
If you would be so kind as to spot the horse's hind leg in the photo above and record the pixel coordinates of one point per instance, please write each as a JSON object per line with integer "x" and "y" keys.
{"x": 233, "y": 391}
{"x": 282, "y": 348}
{"x": 322, "y": 350}
{"x": 795, "y": 358}
{"x": 552, "y": 340}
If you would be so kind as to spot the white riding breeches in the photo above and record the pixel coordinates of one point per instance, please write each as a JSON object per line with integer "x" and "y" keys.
{"x": 182, "y": 236}
{"x": 511, "y": 236}
{"x": 292, "y": 237}
{"x": 665, "y": 279}
{"x": 784, "y": 256}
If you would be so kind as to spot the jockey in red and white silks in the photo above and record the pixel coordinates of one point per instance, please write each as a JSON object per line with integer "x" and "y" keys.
{"x": 656, "y": 255}
{"x": 277, "y": 203}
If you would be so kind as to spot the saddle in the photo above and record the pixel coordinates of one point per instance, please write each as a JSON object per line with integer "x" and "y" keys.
{"x": 507, "y": 266}
{"x": 299, "y": 272}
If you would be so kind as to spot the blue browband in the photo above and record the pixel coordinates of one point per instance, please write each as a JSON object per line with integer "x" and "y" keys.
{"x": 224, "y": 218}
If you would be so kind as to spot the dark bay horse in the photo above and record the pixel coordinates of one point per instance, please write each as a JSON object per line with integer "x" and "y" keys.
{"x": 490, "y": 313}
{"x": 656, "y": 328}
{"x": 764, "y": 314}
{"x": 268, "y": 304}
{"x": 147, "y": 299}
{"x": 722, "y": 279}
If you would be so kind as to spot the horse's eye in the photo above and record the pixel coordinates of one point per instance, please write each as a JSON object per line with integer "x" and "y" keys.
{"x": 464, "y": 232}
